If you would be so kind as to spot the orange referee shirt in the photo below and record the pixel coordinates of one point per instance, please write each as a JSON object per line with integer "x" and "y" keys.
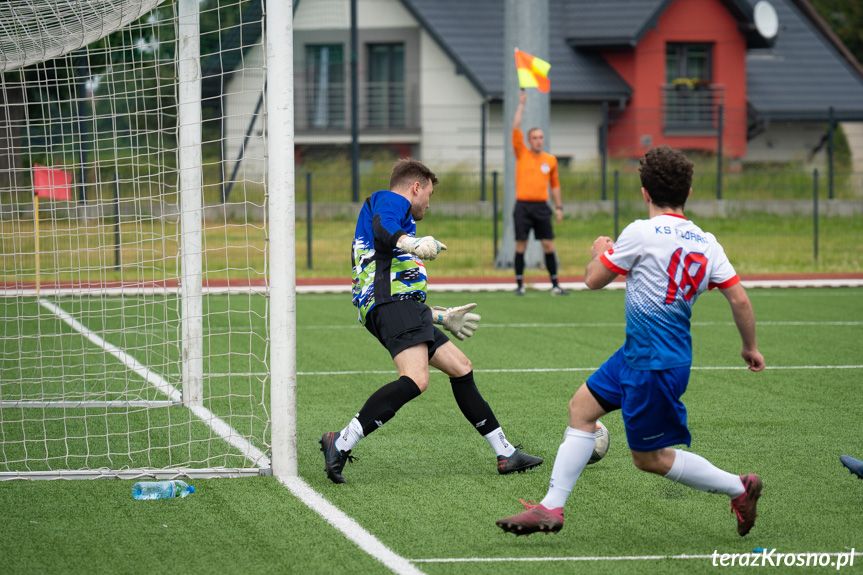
{"x": 533, "y": 172}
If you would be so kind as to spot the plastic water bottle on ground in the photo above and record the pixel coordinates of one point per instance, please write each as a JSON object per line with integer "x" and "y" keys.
{"x": 161, "y": 489}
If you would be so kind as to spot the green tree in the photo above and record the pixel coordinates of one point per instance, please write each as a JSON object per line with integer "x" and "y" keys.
{"x": 845, "y": 18}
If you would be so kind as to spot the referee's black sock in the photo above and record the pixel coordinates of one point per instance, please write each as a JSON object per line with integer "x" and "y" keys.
{"x": 472, "y": 405}
{"x": 383, "y": 404}
{"x": 551, "y": 266}
{"x": 519, "y": 268}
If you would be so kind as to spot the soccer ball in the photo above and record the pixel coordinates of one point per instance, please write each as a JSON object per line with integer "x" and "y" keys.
{"x": 601, "y": 446}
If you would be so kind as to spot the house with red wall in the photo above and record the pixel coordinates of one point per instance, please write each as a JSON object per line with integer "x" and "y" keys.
{"x": 760, "y": 78}
{"x": 754, "y": 80}
{"x": 681, "y": 73}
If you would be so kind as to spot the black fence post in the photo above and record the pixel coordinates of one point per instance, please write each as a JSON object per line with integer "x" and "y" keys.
{"x": 494, "y": 208}
{"x": 309, "y": 220}
{"x": 482, "y": 148}
{"x": 815, "y": 208}
{"x": 616, "y": 201}
{"x": 355, "y": 106}
{"x": 831, "y": 131}
{"x": 226, "y": 191}
{"x": 84, "y": 132}
{"x": 603, "y": 146}
{"x": 719, "y": 128}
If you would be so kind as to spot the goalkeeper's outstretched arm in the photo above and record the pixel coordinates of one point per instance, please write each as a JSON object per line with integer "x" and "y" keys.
{"x": 457, "y": 320}
{"x": 425, "y": 247}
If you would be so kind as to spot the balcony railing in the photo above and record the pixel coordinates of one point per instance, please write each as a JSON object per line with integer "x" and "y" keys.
{"x": 383, "y": 107}
{"x": 691, "y": 110}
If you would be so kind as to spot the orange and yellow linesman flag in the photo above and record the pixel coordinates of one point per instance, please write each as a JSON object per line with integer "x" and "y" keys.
{"x": 532, "y": 71}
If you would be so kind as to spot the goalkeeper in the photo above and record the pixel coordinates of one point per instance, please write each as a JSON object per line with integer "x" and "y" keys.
{"x": 389, "y": 288}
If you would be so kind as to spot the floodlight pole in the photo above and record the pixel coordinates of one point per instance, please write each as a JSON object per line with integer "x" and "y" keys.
{"x": 526, "y": 28}
{"x": 281, "y": 213}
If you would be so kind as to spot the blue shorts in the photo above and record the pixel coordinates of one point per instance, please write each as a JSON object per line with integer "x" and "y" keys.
{"x": 653, "y": 415}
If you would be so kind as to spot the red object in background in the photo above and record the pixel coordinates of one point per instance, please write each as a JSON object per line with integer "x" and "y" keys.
{"x": 52, "y": 183}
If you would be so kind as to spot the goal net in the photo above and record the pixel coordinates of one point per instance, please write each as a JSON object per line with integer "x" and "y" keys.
{"x": 134, "y": 334}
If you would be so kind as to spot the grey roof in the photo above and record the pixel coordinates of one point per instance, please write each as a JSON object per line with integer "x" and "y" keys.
{"x": 613, "y": 23}
{"x": 623, "y": 23}
{"x": 804, "y": 73}
{"x": 478, "y": 49}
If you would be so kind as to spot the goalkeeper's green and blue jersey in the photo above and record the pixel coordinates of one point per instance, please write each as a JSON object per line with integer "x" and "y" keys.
{"x": 383, "y": 273}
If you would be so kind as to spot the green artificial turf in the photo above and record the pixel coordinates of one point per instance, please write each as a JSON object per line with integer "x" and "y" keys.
{"x": 425, "y": 484}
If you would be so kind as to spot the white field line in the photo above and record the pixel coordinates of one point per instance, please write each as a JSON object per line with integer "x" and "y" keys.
{"x": 315, "y": 501}
{"x": 532, "y": 370}
{"x": 616, "y": 324}
{"x": 619, "y": 558}
{"x": 435, "y": 287}
{"x": 251, "y": 452}
{"x": 351, "y": 529}
{"x": 573, "y": 369}
{"x": 249, "y": 330}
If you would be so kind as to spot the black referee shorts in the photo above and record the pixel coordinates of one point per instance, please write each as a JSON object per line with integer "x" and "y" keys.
{"x": 535, "y": 215}
{"x": 404, "y": 323}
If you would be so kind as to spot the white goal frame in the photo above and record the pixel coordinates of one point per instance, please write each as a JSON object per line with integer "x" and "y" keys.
{"x": 281, "y": 282}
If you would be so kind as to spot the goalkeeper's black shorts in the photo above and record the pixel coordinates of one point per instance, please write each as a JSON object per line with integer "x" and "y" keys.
{"x": 405, "y": 323}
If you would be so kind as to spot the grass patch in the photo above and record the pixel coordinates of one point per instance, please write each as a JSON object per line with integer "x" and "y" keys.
{"x": 425, "y": 484}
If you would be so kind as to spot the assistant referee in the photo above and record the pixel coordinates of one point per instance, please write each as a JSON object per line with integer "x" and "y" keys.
{"x": 535, "y": 171}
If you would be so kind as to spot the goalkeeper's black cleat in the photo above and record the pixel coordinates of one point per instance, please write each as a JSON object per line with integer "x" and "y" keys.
{"x": 557, "y": 290}
{"x": 517, "y": 462}
{"x": 855, "y": 466}
{"x": 334, "y": 460}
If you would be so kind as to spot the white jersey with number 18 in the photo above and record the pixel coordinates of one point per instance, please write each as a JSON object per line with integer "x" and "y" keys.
{"x": 668, "y": 262}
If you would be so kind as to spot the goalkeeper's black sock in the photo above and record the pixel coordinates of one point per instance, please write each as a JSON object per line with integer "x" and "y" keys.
{"x": 383, "y": 404}
{"x": 472, "y": 405}
{"x": 551, "y": 266}
{"x": 519, "y": 268}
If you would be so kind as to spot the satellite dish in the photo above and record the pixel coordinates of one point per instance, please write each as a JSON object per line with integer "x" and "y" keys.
{"x": 766, "y": 20}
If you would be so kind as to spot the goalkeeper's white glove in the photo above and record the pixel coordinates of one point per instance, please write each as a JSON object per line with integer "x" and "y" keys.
{"x": 425, "y": 248}
{"x": 458, "y": 320}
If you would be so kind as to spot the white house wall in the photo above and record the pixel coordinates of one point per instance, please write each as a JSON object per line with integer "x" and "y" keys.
{"x": 787, "y": 142}
{"x": 450, "y": 111}
{"x": 242, "y": 92}
{"x": 450, "y": 105}
{"x": 336, "y": 14}
{"x": 574, "y": 132}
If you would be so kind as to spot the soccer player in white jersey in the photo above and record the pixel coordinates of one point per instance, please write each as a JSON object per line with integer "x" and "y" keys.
{"x": 668, "y": 261}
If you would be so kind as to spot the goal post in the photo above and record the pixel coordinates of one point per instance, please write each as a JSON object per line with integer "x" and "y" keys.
{"x": 191, "y": 188}
{"x": 148, "y": 325}
{"x": 283, "y": 347}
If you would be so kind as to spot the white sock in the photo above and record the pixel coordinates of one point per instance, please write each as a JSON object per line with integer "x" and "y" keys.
{"x": 498, "y": 442}
{"x": 694, "y": 471}
{"x": 572, "y": 457}
{"x": 350, "y": 436}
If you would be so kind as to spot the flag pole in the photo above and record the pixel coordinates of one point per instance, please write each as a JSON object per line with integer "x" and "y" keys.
{"x": 36, "y": 228}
